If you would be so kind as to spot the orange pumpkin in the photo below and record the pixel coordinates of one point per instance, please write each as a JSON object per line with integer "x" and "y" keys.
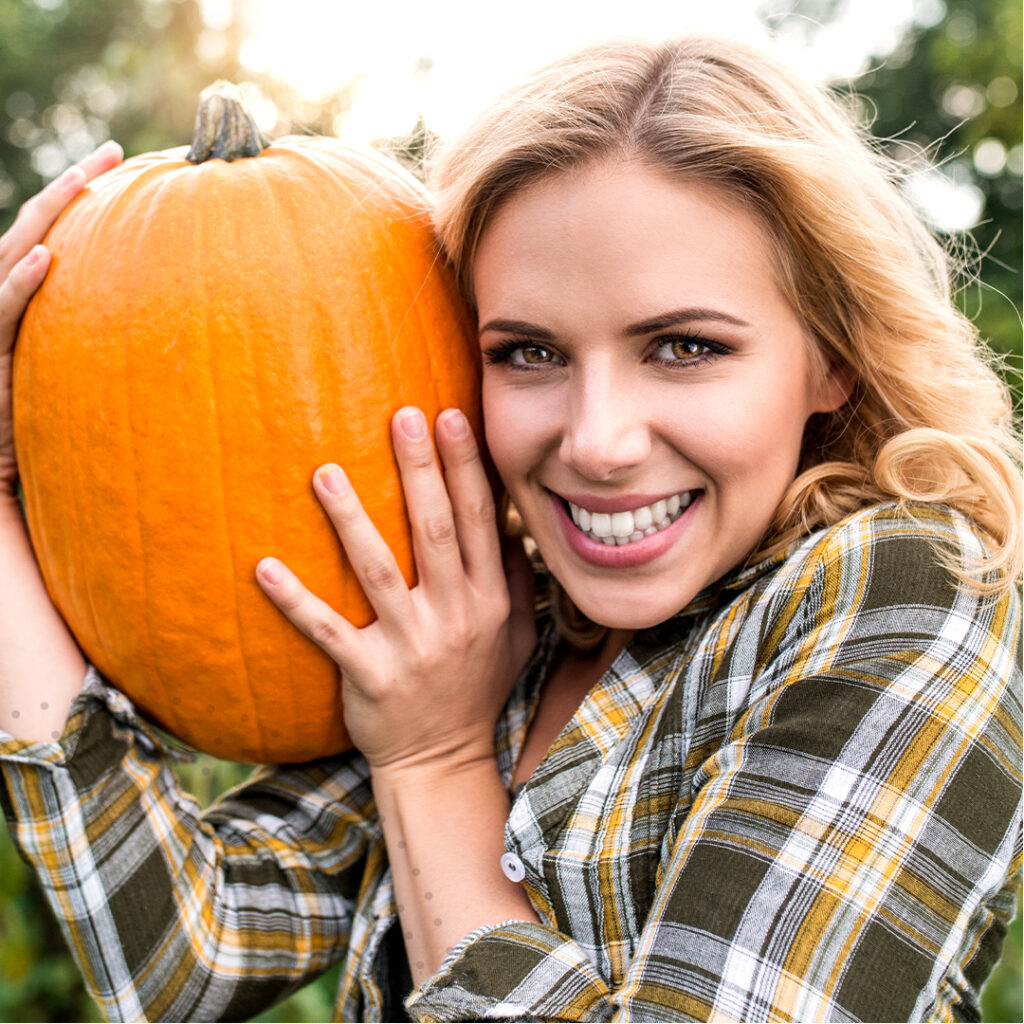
{"x": 208, "y": 334}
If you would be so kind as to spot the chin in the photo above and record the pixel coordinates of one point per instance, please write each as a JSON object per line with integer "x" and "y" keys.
{"x": 627, "y": 613}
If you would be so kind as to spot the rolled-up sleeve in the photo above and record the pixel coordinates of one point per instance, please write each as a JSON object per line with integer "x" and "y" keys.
{"x": 172, "y": 914}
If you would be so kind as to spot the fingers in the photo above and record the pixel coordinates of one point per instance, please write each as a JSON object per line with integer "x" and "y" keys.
{"x": 368, "y": 553}
{"x": 16, "y": 289}
{"x": 106, "y": 157}
{"x": 434, "y": 535}
{"x": 472, "y": 500}
{"x": 453, "y": 540}
{"x": 311, "y": 616}
{"x": 36, "y": 217}
{"x": 452, "y": 516}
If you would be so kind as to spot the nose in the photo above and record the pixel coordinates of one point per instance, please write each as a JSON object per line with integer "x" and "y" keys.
{"x": 606, "y": 431}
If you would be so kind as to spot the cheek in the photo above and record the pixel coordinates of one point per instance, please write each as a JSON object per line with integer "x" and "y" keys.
{"x": 507, "y": 441}
{"x": 750, "y": 434}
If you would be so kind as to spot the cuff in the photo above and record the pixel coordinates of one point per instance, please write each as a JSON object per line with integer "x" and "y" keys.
{"x": 97, "y": 697}
{"x": 515, "y": 971}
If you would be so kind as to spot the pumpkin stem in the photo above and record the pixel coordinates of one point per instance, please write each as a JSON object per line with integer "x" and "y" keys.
{"x": 224, "y": 129}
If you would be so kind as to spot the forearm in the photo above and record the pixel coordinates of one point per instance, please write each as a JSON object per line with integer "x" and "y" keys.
{"x": 445, "y": 838}
{"x": 211, "y": 919}
{"x": 41, "y": 668}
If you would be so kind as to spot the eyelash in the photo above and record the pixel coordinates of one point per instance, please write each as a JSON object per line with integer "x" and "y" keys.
{"x": 503, "y": 351}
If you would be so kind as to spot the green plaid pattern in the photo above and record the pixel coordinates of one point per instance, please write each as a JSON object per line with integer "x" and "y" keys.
{"x": 797, "y": 800}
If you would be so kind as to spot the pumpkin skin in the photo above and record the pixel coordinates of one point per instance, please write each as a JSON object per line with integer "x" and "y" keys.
{"x": 207, "y": 335}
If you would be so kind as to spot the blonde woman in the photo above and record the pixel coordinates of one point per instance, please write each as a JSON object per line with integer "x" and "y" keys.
{"x": 757, "y": 758}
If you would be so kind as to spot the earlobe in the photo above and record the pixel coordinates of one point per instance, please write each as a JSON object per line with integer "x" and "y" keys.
{"x": 836, "y": 388}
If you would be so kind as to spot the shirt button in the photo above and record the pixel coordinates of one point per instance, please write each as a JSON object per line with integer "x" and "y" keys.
{"x": 513, "y": 867}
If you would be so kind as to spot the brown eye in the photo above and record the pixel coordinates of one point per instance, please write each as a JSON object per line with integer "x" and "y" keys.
{"x": 534, "y": 354}
{"x": 687, "y": 348}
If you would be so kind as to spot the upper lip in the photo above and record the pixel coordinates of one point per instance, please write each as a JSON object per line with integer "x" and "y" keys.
{"x": 619, "y": 503}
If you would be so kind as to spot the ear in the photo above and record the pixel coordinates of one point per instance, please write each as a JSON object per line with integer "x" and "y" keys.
{"x": 836, "y": 388}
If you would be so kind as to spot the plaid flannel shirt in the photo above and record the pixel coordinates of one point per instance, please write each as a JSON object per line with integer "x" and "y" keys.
{"x": 799, "y": 799}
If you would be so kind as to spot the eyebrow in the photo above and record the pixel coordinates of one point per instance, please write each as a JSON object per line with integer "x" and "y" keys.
{"x": 655, "y": 323}
{"x": 681, "y": 316}
{"x": 520, "y": 327}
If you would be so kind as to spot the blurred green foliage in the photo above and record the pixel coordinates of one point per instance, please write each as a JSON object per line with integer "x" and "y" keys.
{"x": 949, "y": 102}
{"x": 75, "y": 73}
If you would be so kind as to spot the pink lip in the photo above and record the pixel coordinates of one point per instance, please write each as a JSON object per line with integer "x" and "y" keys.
{"x": 629, "y": 555}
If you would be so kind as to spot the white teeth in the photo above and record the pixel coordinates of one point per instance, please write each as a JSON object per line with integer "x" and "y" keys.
{"x": 617, "y": 528}
{"x": 622, "y": 524}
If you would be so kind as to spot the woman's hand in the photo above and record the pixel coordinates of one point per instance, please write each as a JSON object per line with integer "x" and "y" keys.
{"x": 424, "y": 684}
{"x": 23, "y": 265}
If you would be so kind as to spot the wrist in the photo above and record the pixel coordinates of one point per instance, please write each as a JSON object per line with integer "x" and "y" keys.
{"x": 435, "y": 771}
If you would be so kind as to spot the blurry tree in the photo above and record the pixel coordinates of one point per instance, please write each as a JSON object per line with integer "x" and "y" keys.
{"x": 947, "y": 102}
{"x": 73, "y": 73}
{"x": 951, "y": 93}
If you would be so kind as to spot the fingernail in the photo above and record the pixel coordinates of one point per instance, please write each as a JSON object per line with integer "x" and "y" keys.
{"x": 270, "y": 570}
{"x": 34, "y": 255}
{"x": 332, "y": 478}
{"x": 414, "y": 424}
{"x": 110, "y": 146}
{"x": 458, "y": 425}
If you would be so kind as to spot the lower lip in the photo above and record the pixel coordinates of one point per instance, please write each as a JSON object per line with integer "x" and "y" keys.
{"x": 626, "y": 556}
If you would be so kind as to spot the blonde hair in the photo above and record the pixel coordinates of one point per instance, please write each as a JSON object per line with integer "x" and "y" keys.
{"x": 928, "y": 418}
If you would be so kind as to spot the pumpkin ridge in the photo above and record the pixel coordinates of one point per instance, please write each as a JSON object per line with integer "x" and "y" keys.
{"x": 94, "y": 219}
{"x": 191, "y": 418}
{"x": 151, "y": 183}
{"x": 297, "y": 259}
{"x": 203, "y": 244}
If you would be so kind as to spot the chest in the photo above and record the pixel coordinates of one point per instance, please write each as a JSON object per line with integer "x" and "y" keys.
{"x": 570, "y": 680}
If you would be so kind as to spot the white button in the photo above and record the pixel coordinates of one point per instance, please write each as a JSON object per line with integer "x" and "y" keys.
{"x": 513, "y": 867}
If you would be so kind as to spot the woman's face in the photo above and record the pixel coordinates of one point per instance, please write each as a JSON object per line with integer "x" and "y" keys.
{"x": 646, "y": 384}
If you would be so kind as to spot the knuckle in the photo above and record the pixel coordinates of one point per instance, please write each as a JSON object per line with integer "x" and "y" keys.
{"x": 382, "y": 574}
{"x": 421, "y": 457}
{"x": 467, "y": 453}
{"x": 461, "y": 631}
{"x": 481, "y": 511}
{"x": 324, "y": 633}
{"x": 440, "y": 530}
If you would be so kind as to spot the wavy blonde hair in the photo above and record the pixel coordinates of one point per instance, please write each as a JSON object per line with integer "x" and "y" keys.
{"x": 928, "y": 418}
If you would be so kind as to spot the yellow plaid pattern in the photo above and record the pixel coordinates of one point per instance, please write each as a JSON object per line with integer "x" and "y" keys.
{"x": 797, "y": 800}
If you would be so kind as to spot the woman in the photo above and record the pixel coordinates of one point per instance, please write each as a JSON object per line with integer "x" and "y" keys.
{"x": 758, "y": 758}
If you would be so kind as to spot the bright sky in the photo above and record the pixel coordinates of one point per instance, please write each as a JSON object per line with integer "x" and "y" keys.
{"x": 446, "y": 58}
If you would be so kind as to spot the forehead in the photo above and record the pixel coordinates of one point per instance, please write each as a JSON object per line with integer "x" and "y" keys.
{"x": 619, "y": 231}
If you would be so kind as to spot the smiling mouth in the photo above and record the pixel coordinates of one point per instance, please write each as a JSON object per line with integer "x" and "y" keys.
{"x": 616, "y": 529}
